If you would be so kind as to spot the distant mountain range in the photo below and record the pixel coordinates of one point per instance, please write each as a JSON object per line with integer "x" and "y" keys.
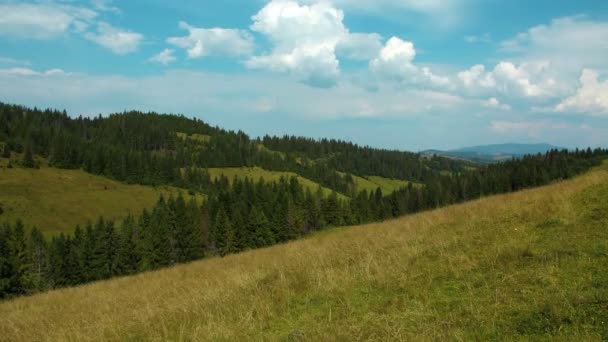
{"x": 493, "y": 153}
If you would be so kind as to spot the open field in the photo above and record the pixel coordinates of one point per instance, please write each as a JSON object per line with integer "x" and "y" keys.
{"x": 201, "y": 138}
{"x": 56, "y": 200}
{"x": 529, "y": 265}
{"x": 255, "y": 173}
{"x": 371, "y": 183}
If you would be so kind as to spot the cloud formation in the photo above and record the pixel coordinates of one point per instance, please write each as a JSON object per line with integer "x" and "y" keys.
{"x": 396, "y": 61}
{"x": 216, "y": 41}
{"x": 308, "y": 40}
{"x": 42, "y": 21}
{"x": 117, "y": 40}
{"x": 590, "y": 98}
{"x": 165, "y": 57}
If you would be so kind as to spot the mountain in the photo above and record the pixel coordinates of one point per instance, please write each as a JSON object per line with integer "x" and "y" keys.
{"x": 531, "y": 265}
{"x": 494, "y": 153}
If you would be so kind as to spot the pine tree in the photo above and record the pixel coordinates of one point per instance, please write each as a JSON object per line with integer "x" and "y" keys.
{"x": 28, "y": 158}
{"x": 127, "y": 259}
{"x": 38, "y": 251}
{"x": 258, "y": 224}
{"x": 6, "y": 152}
{"x": 9, "y": 278}
{"x": 23, "y": 263}
{"x": 223, "y": 234}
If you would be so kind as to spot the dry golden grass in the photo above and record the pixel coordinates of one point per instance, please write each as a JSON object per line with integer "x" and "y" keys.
{"x": 529, "y": 265}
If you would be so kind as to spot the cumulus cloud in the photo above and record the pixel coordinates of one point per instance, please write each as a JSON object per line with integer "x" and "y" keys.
{"x": 493, "y": 102}
{"x": 307, "y": 41}
{"x": 216, "y": 41}
{"x": 165, "y": 57}
{"x": 396, "y": 61}
{"x": 590, "y": 98}
{"x": 42, "y": 21}
{"x": 571, "y": 42}
{"x": 117, "y": 40}
{"x": 528, "y": 80}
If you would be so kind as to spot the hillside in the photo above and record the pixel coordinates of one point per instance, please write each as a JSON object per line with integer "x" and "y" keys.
{"x": 257, "y": 173}
{"x": 56, "y": 200}
{"x": 527, "y": 265}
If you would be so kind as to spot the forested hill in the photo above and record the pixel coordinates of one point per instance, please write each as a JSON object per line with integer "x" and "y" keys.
{"x": 236, "y": 215}
{"x": 149, "y": 148}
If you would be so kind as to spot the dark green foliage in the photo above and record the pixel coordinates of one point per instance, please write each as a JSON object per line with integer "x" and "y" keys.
{"x": 238, "y": 215}
{"x": 28, "y": 158}
{"x": 6, "y": 151}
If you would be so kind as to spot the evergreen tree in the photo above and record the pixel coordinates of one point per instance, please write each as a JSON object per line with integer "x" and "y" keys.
{"x": 37, "y": 247}
{"x": 258, "y": 224}
{"x": 28, "y": 158}
{"x": 6, "y": 151}
{"x": 223, "y": 234}
{"x": 22, "y": 258}
{"x": 9, "y": 278}
{"x": 127, "y": 260}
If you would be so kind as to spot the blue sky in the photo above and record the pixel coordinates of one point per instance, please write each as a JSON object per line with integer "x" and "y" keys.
{"x": 406, "y": 74}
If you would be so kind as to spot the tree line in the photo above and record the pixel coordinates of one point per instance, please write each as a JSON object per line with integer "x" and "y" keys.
{"x": 145, "y": 148}
{"x": 245, "y": 214}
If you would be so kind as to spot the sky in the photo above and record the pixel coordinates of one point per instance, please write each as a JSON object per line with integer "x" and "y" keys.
{"x": 399, "y": 74}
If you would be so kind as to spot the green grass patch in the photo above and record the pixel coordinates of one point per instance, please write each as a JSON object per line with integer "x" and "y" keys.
{"x": 257, "y": 173}
{"x": 56, "y": 200}
{"x": 202, "y": 138}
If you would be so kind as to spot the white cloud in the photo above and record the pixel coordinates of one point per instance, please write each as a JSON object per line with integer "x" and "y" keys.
{"x": 304, "y": 39}
{"x": 476, "y": 76}
{"x": 443, "y": 13}
{"x": 590, "y": 98}
{"x": 495, "y": 103}
{"x": 30, "y": 72}
{"x": 484, "y": 38}
{"x": 165, "y": 57}
{"x": 527, "y": 80}
{"x": 119, "y": 41}
{"x": 531, "y": 129}
{"x": 202, "y": 42}
{"x": 105, "y": 6}
{"x": 307, "y": 41}
{"x": 395, "y": 61}
{"x": 9, "y": 60}
{"x": 570, "y": 42}
{"x": 220, "y": 94}
{"x": 42, "y": 20}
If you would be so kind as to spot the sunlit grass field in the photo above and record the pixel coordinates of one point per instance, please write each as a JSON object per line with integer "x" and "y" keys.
{"x": 256, "y": 173}
{"x": 531, "y": 265}
{"x": 56, "y": 200}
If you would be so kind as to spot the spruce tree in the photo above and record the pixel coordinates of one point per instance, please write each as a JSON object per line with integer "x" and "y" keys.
{"x": 9, "y": 278}
{"x": 6, "y": 151}
{"x": 38, "y": 251}
{"x": 258, "y": 224}
{"x": 28, "y": 158}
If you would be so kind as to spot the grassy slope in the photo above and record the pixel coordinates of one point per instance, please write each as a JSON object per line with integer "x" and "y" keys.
{"x": 56, "y": 200}
{"x": 201, "y": 138}
{"x": 528, "y": 265}
{"x": 255, "y": 173}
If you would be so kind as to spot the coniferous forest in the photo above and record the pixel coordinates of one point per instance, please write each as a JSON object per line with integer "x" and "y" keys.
{"x": 236, "y": 214}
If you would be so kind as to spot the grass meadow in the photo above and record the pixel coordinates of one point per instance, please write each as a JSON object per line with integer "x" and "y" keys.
{"x": 531, "y": 265}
